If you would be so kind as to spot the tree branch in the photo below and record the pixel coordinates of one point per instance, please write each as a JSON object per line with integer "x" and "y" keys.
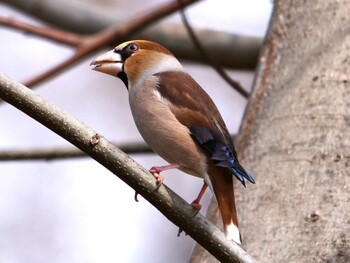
{"x": 50, "y": 33}
{"x": 164, "y": 199}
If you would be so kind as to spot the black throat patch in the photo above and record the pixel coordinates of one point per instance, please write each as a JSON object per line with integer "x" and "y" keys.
{"x": 124, "y": 78}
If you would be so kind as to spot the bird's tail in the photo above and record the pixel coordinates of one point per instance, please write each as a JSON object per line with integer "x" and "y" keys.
{"x": 226, "y": 157}
{"x": 222, "y": 187}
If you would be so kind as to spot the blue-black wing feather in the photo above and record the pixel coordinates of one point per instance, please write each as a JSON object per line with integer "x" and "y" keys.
{"x": 224, "y": 155}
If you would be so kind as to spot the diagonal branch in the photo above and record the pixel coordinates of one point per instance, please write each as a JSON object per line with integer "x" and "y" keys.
{"x": 84, "y": 18}
{"x": 119, "y": 32}
{"x": 63, "y": 37}
{"x": 78, "y": 41}
{"x": 246, "y": 47}
{"x": 164, "y": 199}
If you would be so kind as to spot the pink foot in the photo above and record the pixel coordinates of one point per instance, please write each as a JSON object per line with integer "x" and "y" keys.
{"x": 195, "y": 204}
{"x": 159, "y": 178}
{"x": 156, "y": 170}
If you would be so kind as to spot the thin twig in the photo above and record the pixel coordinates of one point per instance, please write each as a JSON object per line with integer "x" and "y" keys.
{"x": 163, "y": 198}
{"x": 234, "y": 84}
{"x": 57, "y": 35}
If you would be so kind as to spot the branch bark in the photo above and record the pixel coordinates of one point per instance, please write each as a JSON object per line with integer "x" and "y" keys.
{"x": 87, "y": 140}
{"x": 83, "y": 18}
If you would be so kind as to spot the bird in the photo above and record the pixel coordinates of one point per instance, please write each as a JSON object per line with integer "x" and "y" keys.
{"x": 179, "y": 122}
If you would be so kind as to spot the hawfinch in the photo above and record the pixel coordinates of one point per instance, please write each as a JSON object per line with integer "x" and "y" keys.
{"x": 178, "y": 120}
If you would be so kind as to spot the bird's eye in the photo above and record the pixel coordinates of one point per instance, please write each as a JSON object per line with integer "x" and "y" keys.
{"x": 133, "y": 47}
{"x": 129, "y": 50}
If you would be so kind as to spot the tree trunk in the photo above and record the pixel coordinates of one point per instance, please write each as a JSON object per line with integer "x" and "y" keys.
{"x": 295, "y": 138}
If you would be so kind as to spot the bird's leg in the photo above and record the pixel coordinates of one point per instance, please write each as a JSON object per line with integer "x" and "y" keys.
{"x": 156, "y": 170}
{"x": 195, "y": 204}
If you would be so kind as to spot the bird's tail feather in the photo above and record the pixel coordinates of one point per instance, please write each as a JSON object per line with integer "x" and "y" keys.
{"x": 226, "y": 157}
{"x": 222, "y": 187}
{"x": 240, "y": 173}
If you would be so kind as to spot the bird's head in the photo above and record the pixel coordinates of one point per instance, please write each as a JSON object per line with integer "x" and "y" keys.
{"x": 134, "y": 61}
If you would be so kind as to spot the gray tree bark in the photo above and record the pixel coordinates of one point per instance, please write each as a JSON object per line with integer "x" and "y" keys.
{"x": 295, "y": 139}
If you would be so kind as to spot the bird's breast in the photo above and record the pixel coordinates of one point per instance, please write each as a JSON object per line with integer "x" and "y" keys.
{"x": 162, "y": 131}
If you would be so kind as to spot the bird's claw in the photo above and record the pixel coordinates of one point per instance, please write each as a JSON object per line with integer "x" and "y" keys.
{"x": 159, "y": 178}
{"x": 180, "y": 231}
{"x": 135, "y": 196}
{"x": 197, "y": 207}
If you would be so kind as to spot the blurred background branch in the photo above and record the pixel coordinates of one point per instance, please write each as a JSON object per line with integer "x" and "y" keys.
{"x": 55, "y": 153}
{"x": 209, "y": 59}
{"x": 108, "y": 36}
{"x": 230, "y": 50}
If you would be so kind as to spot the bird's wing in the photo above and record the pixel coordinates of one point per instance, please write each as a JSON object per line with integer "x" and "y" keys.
{"x": 193, "y": 107}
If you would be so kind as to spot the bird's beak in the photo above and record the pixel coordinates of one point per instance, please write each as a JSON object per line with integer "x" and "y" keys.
{"x": 110, "y": 63}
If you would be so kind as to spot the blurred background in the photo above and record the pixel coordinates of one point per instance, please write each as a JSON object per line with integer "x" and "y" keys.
{"x": 75, "y": 210}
